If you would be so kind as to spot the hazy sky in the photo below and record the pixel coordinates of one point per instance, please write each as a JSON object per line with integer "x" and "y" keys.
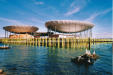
{"x": 37, "y": 12}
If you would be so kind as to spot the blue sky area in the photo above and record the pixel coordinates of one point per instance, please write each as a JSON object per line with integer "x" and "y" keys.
{"x": 37, "y": 12}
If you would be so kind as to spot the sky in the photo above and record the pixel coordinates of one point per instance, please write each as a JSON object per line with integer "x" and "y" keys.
{"x": 37, "y": 12}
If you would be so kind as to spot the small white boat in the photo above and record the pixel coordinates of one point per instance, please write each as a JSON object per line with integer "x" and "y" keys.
{"x": 4, "y": 47}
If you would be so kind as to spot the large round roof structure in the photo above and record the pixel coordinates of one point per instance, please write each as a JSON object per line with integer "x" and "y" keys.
{"x": 68, "y": 26}
{"x": 20, "y": 29}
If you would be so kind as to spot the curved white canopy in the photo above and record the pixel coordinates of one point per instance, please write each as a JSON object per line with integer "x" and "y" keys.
{"x": 67, "y": 26}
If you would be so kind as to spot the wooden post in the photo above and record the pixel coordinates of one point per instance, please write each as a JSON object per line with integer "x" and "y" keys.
{"x": 46, "y": 41}
{"x": 58, "y": 42}
{"x": 42, "y": 41}
{"x": 35, "y": 41}
{"x": 39, "y": 39}
{"x": 89, "y": 43}
{"x": 49, "y": 42}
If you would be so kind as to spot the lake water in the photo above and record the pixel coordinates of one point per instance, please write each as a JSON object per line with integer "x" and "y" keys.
{"x": 29, "y": 60}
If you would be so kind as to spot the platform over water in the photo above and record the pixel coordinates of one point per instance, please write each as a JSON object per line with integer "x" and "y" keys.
{"x": 56, "y": 42}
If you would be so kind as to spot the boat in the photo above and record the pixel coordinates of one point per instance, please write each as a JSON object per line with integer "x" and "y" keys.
{"x": 4, "y": 47}
{"x": 86, "y": 58}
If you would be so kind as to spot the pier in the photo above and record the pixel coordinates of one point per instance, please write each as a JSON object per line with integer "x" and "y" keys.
{"x": 54, "y": 42}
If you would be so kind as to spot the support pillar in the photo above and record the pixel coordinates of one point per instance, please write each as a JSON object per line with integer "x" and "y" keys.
{"x": 5, "y": 33}
{"x": 55, "y": 29}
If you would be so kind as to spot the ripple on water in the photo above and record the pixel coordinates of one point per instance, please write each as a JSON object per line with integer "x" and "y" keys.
{"x": 25, "y": 60}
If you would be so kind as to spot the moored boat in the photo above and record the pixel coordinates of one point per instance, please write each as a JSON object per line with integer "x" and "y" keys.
{"x": 4, "y": 47}
{"x": 87, "y": 58}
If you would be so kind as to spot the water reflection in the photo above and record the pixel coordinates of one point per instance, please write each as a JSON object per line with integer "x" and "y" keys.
{"x": 29, "y": 60}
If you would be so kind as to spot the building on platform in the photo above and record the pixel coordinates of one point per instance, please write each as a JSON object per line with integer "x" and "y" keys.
{"x": 57, "y": 28}
{"x": 70, "y": 28}
{"x": 20, "y": 31}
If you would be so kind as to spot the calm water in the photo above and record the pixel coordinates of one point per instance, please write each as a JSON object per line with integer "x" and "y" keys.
{"x": 24, "y": 60}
